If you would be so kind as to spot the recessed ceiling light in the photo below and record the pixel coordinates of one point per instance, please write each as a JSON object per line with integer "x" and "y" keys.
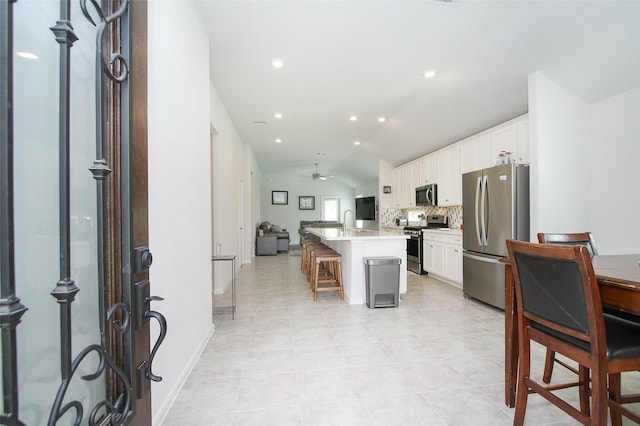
{"x": 277, "y": 115}
{"x": 277, "y": 63}
{"x": 429, "y": 73}
{"x": 278, "y": 140}
{"x": 27, "y": 55}
{"x": 381, "y": 119}
{"x": 356, "y": 143}
{"x": 353, "y": 118}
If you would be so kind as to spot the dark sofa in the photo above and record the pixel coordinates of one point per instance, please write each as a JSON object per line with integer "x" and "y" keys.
{"x": 306, "y": 224}
{"x": 270, "y": 231}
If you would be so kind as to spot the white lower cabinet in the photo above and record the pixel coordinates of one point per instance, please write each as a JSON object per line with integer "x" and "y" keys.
{"x": 442, "y": 256}
{"x": 453, "y": 262}
{"x": 433, "y": 257}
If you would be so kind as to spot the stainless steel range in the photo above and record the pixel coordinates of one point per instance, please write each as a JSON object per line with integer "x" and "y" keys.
{"x": 414, "y": 243}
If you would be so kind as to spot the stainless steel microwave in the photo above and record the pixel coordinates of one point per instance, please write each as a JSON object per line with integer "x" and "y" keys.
{"x": 427, "y": 195}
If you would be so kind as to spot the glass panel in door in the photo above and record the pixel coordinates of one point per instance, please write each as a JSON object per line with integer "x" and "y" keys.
{"x": 37, "y": 215}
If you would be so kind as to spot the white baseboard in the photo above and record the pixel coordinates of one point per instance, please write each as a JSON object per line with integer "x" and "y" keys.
{"x": 162, "y": 412}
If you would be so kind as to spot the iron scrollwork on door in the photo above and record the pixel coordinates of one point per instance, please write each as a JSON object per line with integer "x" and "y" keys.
{"x": 144, "y": 313}
{"x": 119, "y": 408}
{"x": 11, "y": 310}
{"x": 119, "y": 411}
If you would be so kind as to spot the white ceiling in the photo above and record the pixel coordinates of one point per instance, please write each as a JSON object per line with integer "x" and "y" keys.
{"x": 367, "y": 58}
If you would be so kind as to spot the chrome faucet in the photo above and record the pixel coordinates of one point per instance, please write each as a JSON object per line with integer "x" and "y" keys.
{"x": 344, "y": 218}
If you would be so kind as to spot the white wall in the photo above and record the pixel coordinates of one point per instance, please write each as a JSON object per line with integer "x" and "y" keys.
{"x": 253, "y": 175}
{"x": 232, "y": 163}
{"x": 559, "y": 150}
{"x": 289, "y": 216}
{"x": 179, "y": 191}
{"x": 614, "y": 165}
{"x": 584, "y": 165}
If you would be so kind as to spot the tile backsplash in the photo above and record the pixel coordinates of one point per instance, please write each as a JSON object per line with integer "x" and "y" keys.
{"x": 388, "y": 216}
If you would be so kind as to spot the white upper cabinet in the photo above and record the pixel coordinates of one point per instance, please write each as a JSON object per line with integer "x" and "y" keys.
{"x": 413, "y": 176}
{"x": 475, "y": 154}
{"x": 504, "y": 139}
{"x": 428, "y": 169}
{"x": 405, "y": 180}
{"x": 398, "y": 189}
{"x": 449, "y": 177}
{"x": 446, "y": 166}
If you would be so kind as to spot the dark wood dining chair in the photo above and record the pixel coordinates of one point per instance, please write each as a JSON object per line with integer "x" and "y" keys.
{"x": 575, "y": 238}
{"x": 558, "y": 306}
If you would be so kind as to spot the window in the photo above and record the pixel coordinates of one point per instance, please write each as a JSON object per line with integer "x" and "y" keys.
{"x": 331, "y": 208}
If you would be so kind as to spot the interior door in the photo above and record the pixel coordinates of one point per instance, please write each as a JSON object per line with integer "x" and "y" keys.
{"x": 73, "y": 214}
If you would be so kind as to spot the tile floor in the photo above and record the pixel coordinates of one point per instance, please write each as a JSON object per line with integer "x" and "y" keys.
{"x": 287, "y": 360}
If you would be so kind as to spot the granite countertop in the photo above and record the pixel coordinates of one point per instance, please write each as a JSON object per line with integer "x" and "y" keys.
{"x": 444, "y": 231}
{"x": 355, "y": 234}
{"x": 393, "y": 227}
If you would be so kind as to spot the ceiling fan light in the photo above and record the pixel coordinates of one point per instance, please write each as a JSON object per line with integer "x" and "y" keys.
{"x": 322, "y": 177}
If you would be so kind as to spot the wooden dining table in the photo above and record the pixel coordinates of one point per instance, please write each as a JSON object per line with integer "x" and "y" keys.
{"x": 619, "y": 282}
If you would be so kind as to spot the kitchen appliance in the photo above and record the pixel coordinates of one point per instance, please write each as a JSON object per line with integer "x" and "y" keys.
{"x": 427, "y": 195}
{"x": 495, "y": 207}
{"x": 415, "y": 257}
{"x": 402, "y": 221}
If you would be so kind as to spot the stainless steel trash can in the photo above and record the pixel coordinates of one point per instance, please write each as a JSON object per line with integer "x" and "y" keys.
{"x": 382, "y": 277}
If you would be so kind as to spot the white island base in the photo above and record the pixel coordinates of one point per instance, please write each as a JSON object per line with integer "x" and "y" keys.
{"x": 355, "y": 246}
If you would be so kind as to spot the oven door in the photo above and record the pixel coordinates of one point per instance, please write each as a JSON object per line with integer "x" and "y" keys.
{"x": 414, "y": 254}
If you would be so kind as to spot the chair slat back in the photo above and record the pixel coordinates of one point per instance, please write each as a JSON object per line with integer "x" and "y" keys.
{"x": 556, "y": 287}
{"x": 552, "y": 289}
{"x": 575, "y": 238}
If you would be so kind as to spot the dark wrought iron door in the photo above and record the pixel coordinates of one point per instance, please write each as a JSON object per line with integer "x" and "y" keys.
{"x": 75, "y": 298}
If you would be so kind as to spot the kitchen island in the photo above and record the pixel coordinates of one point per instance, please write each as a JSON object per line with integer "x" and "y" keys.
{"x": 356, "y": 244}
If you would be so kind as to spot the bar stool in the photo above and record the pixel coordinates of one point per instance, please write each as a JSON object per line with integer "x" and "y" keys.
{"x": 310, "y": 249}
{"x": 305, "y": 258}
{"x": 313, "y": 252}
{"x": 332, "y": 280}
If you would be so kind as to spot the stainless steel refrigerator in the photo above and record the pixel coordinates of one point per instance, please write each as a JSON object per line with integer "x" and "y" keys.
{"x": 495, "y": 207}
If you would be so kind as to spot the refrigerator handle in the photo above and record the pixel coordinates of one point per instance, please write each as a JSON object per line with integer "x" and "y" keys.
{"x": 476, "y": 215}
{"x": 483, "y": 220}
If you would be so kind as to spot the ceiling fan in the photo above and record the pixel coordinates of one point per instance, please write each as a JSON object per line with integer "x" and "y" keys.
{"x": 318, "y": 176}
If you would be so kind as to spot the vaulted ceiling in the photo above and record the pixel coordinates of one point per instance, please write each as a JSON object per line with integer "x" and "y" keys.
{"x": 368, "y": 58}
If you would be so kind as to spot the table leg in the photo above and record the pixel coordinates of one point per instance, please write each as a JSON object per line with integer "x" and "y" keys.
{"x": 511, "y": 350}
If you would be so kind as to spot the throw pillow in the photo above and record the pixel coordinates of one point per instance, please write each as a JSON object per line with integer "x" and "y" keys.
{"x": 276, "y": 228}
{"x": 265, "y": 226}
